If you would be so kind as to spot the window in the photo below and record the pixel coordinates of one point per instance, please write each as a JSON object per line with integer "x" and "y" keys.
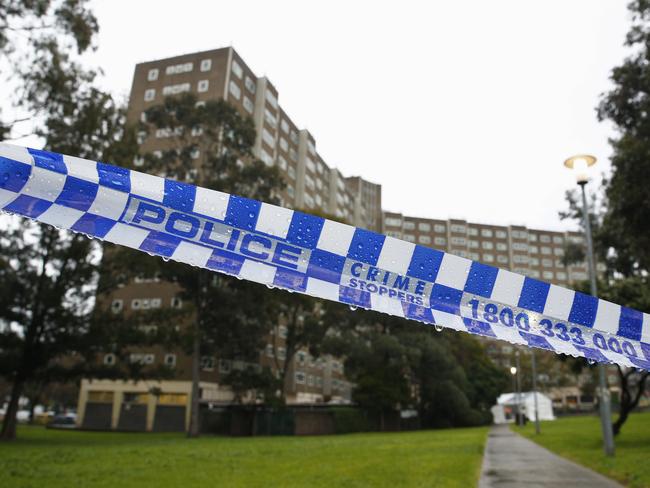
{"x": 248, "y": 105}
{"x": 488, "y": 258}
{"x": 502, "y": 246}
{"x": 207, "y": 363}
{"x": 547, "y": 275}
{"x": 234, "y": 90}
{"x": 266, "y": 158}
{"x": 177, "y": 302}
{"x": 501, "y": 234}
{"x": 520, "y": 259}
{"x": 560, "y": 275}
{"x": 310, "y": 380}
{"x": 206, "y": 64}
{"x": 502, "y": 259}
{"x": 474, "y": 256}
{"x": 546, "y": 250}
{"x": 396, "y": 235}
{"x": 558, "y": 240}
{"x": 179, "y": 68}
{"x": 547, "y": 263}
{"x": 409, "y": 225}
{"x": 291, "y": 172}
{"x": 424, "y": 227}
{"x": 473, "y": 244}
{"x": 282, "y": 332}
{"x": 149, "y": 94}
{"x": 294, "y": 136}
{"x": 519, "y": 234}
{"x": 473, "y": 231}
{"x": 440, "y": 241}
{"x": 487, "y": 245}
{"x": 170, "y": 360}
{"x": 176, "y": 89}
{"x": 155, "y": 302}
{"x": 249, "y": 84}
{"x": 224, "y": 366}
{"x": 301, "y": 357}
{"x": 520, "y": 246}
{"x": 534, "y": 249}
{"x": 285, "y": 126}
{"x": 534, "y": 273}
{"x": 269, "y": 350}
{"x": 558, "y": 251}
{"x": 393, "y": 222}
{"x": 459, "y": 241}
{"x": 544, "y": 238}
{"x": 268, "y": 138}
{"x": 310, "y": 147}
{"x": 282, "y": 163}
{"x": 282, "y": 353}
{"x": 579, "y": 276}
{"x": 458, "y": 228}
{"x": 559, "y": 263}
{"x": 153, "y": 74}
{"x": 534, "y": 262}
{"x": 142, "y": 358}
{"x": 284, "y": 145}
{"x": 202, "y": 86}
{"x": 236, "y": 68}
{"x": 300, "y": 377}
{"x": 409, "y": 237}
{"x": 424, "y": 240}
{"x": 271, "y": 98}
{"x": 293, "y": 155}
{"x": 532, "y": 237}
{"x": 135, "y": 304}
{"x": 440, "y": 228}
{"x": 109, "y": 359}
{"x": 116, "y": 306}
{"x": 270, "y": 118}
{"x": 486, "y": 232}
{"x": 309, "y": 201}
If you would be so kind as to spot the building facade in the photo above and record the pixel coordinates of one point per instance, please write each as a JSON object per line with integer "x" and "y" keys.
{"x": 312, "y": 186}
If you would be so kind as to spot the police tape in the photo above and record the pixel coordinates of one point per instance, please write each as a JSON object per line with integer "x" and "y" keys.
{"x": 292, "y": 250}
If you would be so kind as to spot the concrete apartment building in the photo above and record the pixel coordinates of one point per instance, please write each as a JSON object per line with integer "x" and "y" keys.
{"x": 312, "y": 185}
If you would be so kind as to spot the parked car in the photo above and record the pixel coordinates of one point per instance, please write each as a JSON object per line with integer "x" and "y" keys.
{"x": 65, "y": 421}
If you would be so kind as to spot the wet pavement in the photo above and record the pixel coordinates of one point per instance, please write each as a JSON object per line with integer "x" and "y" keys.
{"x": 513, "y": 461}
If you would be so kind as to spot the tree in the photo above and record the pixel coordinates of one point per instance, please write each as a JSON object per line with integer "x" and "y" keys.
{"x": 211, "y": 145}
{"x": 621, "y": 238}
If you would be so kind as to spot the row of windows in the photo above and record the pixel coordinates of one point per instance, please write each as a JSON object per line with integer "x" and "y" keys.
{"x": 141, "y": 358}
{"x": 152, "y": 74}
{"x": 473, "y": 231}
{"x": 144, "y": 304}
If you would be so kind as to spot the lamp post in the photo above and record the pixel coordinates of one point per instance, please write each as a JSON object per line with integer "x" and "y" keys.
{"x": 534, "y": 368}
{"x": 513, "y": 372}
{"x": 580, "y": 165}
{"x": 520, "y": 418}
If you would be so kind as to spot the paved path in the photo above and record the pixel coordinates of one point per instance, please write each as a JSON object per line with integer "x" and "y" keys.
{"x": 512, "y": 461}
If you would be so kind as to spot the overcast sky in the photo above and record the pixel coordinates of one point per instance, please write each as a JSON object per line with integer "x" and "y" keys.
{"x": 459, "y": 109}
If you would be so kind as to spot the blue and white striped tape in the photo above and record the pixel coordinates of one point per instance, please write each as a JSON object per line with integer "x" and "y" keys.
{"x": 308, "y": 254}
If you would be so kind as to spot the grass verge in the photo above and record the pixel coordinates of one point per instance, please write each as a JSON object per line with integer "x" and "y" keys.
{"x": 49, "y": 458}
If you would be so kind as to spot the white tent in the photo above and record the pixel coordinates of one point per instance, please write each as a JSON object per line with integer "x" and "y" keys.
{"x": 506, "y": 407}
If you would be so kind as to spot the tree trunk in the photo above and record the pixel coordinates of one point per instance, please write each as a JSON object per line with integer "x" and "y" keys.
{"x": 196, "y": 366}
{"x": 628, "y": 401}
{"x": 9, "y": 424}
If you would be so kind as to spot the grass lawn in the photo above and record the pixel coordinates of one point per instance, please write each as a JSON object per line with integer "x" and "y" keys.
{"x": 439, "y": 458}
{"x": 580, "y": 439}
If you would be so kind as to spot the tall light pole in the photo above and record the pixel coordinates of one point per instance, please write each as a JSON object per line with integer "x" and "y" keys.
{"x": 513, "y": 372}
{"x": 580, "y": 165}
{"x": 534, "y": 368}
{"x": 521, "y": 416}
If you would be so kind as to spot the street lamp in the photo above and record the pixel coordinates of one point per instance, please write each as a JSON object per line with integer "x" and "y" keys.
{"x": 580, "y": 165}
{"x": 533, "y": 366}
{"x": 513, "y": 372}
{"x": 520, "y": 420}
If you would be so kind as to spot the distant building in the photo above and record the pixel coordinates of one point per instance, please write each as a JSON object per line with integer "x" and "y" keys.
{"x": 312, "y": 185}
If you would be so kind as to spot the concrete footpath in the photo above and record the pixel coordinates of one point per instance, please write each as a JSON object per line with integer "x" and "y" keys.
{"x": 513, "y": 461}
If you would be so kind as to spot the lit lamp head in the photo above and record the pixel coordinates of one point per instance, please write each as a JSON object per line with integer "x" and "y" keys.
{"x": 513, "y": 370}
{"x": 580, "y": 166}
